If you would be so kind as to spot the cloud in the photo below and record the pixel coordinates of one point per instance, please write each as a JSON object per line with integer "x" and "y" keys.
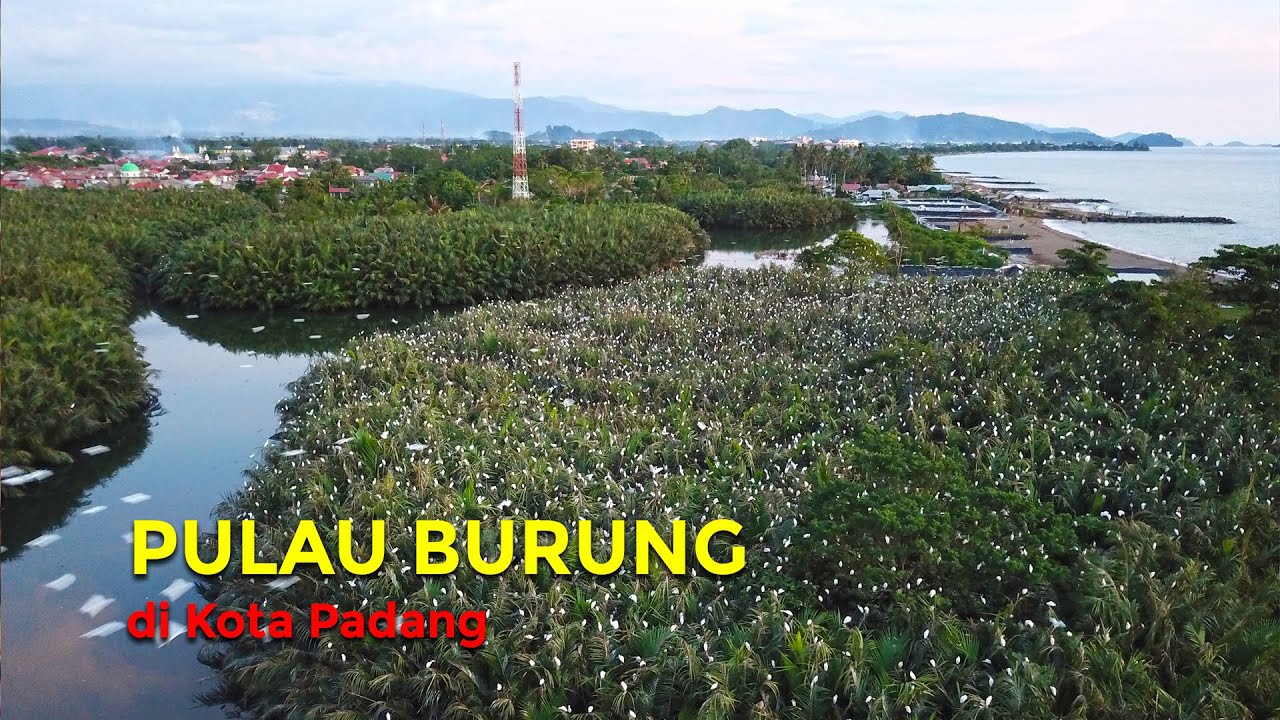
{"x": 1190, "y": 67}
{"x": 261, "y": 112}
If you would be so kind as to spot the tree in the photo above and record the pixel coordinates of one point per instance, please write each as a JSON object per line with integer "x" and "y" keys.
{"x": 308, "y": 192}
{"x": 264, "y": 151}
{"x": 1251, "y": 276}
{"x": 455, "y": 189}
{"x": 1089, "y": 261}
{"x": 269, "y": 193}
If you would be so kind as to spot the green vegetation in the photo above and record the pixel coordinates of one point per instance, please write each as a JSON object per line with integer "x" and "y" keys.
{"x": 765, "y": 209}
{"x": 70, "y": 365}
{"x": 1089, "y": 260}
{"x": 69, "y": 264}
{"x": 969, "y": 498}
{"x": 73, "y": 260}
{"x": 422, "y": 260}
{"x": 1255, "y": 280}
{"x": 918, "y": 245}
{"x": 849, "y": 250}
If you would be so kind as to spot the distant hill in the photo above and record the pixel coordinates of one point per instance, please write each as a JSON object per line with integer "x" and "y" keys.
{"x": 558, "y": 134}
{"x": 1153, "y": 139}
{"x": 955, "y": 128}
{"x": 49, "y": 127}
{"x": 1156, "y": 140}
{"x": 829, "y": 120}
{"x": 1048, "y": 129}
{"x": 405, "y": 111}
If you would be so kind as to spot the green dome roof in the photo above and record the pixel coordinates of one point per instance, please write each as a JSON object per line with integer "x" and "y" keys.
{"x": 128, "y": 167}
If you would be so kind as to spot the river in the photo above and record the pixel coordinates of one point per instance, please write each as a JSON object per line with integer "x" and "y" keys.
{"x": 219, "y": 383}
{"x": 1239, "y": 183}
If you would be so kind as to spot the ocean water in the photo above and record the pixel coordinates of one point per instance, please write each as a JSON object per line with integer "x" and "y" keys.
{"x": 1239, "y": 183}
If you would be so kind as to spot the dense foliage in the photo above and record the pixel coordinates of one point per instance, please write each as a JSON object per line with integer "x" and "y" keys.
{"x": 765, "y": 209}
{"x": 70, "y": 365}
{"x": 428, "y": 260}
{"x": 72, "y": 261}
{"x": 959, "y": 499}
{"x": 1254, "y": 279}
{"x": 1088, "y": 260}
{"x": 848, "y": 250}
{"x": 916, "y": 244}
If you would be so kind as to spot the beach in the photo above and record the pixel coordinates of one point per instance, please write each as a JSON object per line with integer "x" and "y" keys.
{"x": 1045, "y": 242}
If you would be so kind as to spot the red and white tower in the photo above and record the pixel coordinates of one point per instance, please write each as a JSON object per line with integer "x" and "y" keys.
{"x": 519, "y": 163}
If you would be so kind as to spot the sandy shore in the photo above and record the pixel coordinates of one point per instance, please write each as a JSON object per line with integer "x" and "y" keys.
{"x": 1045, "y": 242}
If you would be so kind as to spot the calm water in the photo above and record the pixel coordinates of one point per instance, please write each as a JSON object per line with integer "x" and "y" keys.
{"x": 1240, "y": 183}
{"x": 749, "y": 249}
{"x": 219, "y": 383}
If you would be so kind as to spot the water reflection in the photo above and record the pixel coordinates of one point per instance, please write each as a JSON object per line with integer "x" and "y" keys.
{"x": 751, "y": 249}
{"x": 42, "y": 507}
{"x": 219, "y": 383}
{"x": 274, "y": 334}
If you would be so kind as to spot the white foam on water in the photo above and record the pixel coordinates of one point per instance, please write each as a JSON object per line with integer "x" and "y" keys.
{"x": 33, "y": 476}
{"x": 95, "y": 604}
{"x": 44, "y": 540}
{"x": 104, "y": 630}
{"x": 61, "y": 583}
{"x": 177, "y": 589}
{"x": 175, "y": 631}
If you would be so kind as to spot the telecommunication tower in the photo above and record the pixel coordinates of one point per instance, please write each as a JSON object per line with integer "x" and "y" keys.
{"x": 519, "y": 163}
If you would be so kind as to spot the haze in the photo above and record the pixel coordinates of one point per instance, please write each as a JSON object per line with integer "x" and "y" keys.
{"x": 1210, "y": 72}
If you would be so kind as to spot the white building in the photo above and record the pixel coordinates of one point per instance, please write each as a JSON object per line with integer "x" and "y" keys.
{"x": 889, "y": 194}
{"x": 582, "y": 144}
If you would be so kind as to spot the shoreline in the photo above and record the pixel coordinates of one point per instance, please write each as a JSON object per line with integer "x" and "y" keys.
{"x": 1152, "y": 258}
{"x": 1044, "y": 242}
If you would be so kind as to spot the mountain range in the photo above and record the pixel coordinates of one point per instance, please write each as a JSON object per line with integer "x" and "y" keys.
{"x": 396, "y": 110}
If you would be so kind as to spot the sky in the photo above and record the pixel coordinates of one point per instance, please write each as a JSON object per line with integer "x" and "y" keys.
{"x": 1208, "y": 71}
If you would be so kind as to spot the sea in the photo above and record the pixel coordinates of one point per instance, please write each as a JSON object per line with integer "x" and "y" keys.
{"x": 1239, "y": 183}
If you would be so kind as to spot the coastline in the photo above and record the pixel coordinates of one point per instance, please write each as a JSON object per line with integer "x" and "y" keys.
{"x": 1045, "y": 241}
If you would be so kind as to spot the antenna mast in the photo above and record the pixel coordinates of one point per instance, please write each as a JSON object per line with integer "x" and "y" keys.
{"x": 519, "y": 163}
